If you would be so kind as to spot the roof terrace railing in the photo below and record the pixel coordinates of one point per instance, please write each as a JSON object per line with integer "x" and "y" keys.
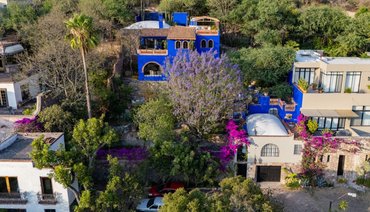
{"x": 152, "y": 51}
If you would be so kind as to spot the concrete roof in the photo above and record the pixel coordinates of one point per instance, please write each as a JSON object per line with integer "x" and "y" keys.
{"x": 147, "y": 25}
{"x": 21, "y": 147}
{"x": 313, "y": 55}
{"x": 265, "y": 124}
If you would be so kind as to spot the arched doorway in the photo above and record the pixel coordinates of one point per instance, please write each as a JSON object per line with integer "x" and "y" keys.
{"x": 152, "y": 69}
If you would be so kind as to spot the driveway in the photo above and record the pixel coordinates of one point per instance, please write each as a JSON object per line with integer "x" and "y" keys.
{"x": 318, "y": 200}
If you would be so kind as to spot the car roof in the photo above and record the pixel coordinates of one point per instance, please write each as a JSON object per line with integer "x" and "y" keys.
{"x": 158, "y": 200}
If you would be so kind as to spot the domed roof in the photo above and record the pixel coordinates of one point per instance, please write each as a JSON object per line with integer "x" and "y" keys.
{"x": 265, "y": 124}
{"x": 147, "y": 25}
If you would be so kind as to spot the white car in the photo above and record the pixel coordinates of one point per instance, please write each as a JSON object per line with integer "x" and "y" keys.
{"x": 151, "y": 204}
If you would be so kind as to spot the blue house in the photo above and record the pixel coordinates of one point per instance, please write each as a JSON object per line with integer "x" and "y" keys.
{"x": 159, "y": 41}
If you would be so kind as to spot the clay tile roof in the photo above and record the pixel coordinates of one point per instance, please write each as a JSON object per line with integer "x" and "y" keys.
{"x": 154, "y": 32}
{"x": 181, "y": 33}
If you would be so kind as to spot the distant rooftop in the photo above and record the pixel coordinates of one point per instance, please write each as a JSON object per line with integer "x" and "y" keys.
{"x": 21, "y": 147}
{"x": 316, "y": 55}
{"x": 265, "y": 124}
{"x": 6, "y": 129}
{"x": 147, "y": 25}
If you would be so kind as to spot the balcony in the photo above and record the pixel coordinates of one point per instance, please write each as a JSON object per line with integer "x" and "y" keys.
{"x": 15, "y": 198}
{"x": 152, "y": 52}
{"x": 47, "y": 199}
{"x": 329, "y": 101}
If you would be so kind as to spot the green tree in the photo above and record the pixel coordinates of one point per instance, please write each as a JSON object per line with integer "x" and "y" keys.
{"x": 91, "y": 135}
{"x": 194, "y": 7}
{"x": 155, "y": 120}
{"x": 122, "y": 192}
{"x": 240, "y": 194}
{"x": 355, "y": 40}
{"x": 82, "y": 36}
{"x": 55, "y": 119}
{"x": 321, "y": 25}
{"x": 182, "y": 201}
{"x": 269, "y": 66}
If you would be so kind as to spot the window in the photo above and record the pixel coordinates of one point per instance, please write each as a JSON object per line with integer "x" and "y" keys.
{"x": 270, "y": 150}
{"x": 203, "y": 44}
{"x": 330, "y": 123}
{"x": 3, "y": 98}
{"x": 178, "y": 44}
{"x": 297, "y": 149}
{"x": 304, "y": 73}
{"x": 363, "y": 113}
{"x": 210, "y": 44}
{"x": 9, "y": 185}
{"x": 185, "y": 45}
{"x": 321, "y": 158}
{"x": 331, "y": 82}
{"x": 46, "y": 185}
{"x": 367, "y": 158}
{"x": 328, "y": 159}
{"x": 49, "y": 210}
{"x": 353, "y": 81}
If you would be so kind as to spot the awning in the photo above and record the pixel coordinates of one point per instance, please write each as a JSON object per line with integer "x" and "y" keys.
{"x": 329, "y": 113}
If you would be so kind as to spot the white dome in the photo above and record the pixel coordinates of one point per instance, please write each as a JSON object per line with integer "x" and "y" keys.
{"x": 147, "y": 25}
{"x": 265, "y": 124}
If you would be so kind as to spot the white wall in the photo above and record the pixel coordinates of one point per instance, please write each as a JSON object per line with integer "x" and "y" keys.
{"x": 29, "y": 181}
{"x": 11, "y": 93}
{"x": 3, "y": 3}
{"x": 284, "y": 143}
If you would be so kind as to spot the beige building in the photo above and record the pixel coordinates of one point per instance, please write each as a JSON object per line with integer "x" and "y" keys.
{"x": 339, "y": 94}
{"x": 272, "y": 148}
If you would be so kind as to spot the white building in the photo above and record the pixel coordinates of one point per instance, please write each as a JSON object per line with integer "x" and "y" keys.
{"x": 24, "y": 187}
{"x": 14, "y": 89}
{"x": 272, "y": 148}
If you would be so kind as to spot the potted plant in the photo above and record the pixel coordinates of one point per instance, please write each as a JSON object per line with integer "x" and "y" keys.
{"x": 303, "y": 84}
{"x": 314, "y": 86}
{"x": 348, "y": 90}
{"x": 320, "y": 89}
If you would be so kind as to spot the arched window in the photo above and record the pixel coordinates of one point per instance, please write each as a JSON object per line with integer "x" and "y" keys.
{"x": 203, "y": 44}
{"x": 152, "y": 69}
{"x": 210, "y": 44}
{"x": 270, "y": 150}
{"x": 178, "y": 44}
{"x": 185, "y": 45}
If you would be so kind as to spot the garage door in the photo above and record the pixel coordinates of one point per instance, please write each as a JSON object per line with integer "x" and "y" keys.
{"x": 268, "y": 173}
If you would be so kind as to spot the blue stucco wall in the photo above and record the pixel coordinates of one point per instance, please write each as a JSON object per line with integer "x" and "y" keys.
{"x": 180, "y": 18}
{"x": 298, "y": 98}
{"x": 216, "y": 43}
{"x": 144, "y": 59}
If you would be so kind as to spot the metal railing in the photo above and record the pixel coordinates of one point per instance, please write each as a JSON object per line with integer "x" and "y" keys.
{"x": 13, "y": 198}
{"x": 152, "y": 51}
{"x": 47, "y": 199}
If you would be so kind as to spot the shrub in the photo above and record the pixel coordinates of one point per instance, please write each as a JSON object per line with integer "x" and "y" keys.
{"x": 282, "y": 91}
{"x": 55, "y": 119}
{"x": 348, "y": 90}
{"x": 29, "y": 111}
{"x": 363, "y": 181}
{"x": 28, "y": 125}
{"x": 312, "y": 126}
{"x": 342, "y": 180}
{"x": 292, "y": 181}
{"x": 303, "y": 84}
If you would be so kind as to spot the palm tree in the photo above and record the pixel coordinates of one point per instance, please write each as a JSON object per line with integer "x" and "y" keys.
{"x": 82, "y": 36}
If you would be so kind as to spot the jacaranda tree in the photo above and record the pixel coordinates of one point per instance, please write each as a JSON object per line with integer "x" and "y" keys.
{"x": 203, "y": 89}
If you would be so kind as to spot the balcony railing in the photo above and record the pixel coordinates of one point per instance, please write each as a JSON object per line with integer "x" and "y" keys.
{"x": 47, "y": 199}
{"x": 15, "y": 198}
{"x": 207, "y": 32}
{"x": 152, "y": 51}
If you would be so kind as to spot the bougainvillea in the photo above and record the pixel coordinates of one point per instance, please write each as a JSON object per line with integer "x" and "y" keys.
{"x": 316, "y": 146}
{"x": 203, "y": 89}
{"x": 28, "y": 125}
{"x": 235, "y": 139}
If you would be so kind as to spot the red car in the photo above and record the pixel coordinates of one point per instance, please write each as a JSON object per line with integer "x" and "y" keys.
{"x": 160, "y": 190}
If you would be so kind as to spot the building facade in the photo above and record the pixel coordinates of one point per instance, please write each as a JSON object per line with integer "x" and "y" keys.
{"x": 160, "y": 41}
{"x": 23, "y": 187}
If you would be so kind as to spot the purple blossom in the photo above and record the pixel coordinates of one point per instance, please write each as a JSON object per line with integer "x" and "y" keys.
{"x": 28, "y": 125}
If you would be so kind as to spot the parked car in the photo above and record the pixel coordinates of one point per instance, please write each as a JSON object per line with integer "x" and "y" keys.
{"x": 160, "y": 190}
{"x": 150, "y": 204}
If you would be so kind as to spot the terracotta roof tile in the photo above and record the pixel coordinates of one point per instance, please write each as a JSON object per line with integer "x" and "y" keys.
{"x": 181, "y": 33}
